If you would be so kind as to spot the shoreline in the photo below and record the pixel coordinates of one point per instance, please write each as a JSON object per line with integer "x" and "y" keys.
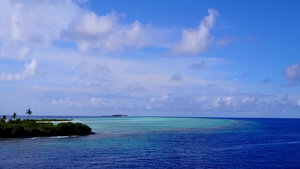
{"x": 72, "y": 121}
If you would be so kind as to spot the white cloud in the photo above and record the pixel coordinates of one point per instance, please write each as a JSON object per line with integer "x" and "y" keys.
{"x": 292, "y": 72}
{"x": 228, "y": 100}
{"x": 201, "y": 99}
{"x": 163, "y": 98}
{"x": 65, "y": 102}
{"x": 105, "y": 33}
{"x": 247, "y": 100}
{"x": 30, "y": 70}
{"x": 92, "y": 26}
{"x": 94, "y": 102}
{"x": 134, "y": 36}
{"x": 194, "y": 41}
{"x": 24, "y": 52}
{"x": 216, "y": 103}
{"x": 298, "y": 102}
{"x": 97, "y": 102}
{"x": 89, "y": 29}
{"x": 31, "y": 22}
{"x": 225, "y": 101}
{"x": 26, "y": 23}
{"x": 153, "y": 99}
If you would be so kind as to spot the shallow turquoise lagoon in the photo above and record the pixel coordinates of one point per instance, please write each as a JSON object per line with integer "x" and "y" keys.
{"x": 131, "y": 124}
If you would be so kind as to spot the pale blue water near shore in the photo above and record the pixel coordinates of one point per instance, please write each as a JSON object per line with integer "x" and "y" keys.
{"x": 158, "y": 142}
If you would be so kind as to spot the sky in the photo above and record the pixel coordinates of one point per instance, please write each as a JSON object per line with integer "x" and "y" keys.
{"x": 150, "y": 58}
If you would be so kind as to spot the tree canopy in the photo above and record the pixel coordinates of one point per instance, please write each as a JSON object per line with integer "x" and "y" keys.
{"x": 30, "y": 128}
{"x": 16, "y": 128}
{"x": 29, "y": 112}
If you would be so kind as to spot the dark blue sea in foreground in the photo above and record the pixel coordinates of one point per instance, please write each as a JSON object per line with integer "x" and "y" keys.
{"x": 147, "y": 142}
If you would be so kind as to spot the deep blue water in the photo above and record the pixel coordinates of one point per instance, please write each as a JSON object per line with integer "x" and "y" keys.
{"x": 244, "y": 143}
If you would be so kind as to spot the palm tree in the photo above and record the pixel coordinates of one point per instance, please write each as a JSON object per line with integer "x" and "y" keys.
{"x": 14, "y": 115}
{"x": 29, "y": 112}
{"x": 3, "y": 119}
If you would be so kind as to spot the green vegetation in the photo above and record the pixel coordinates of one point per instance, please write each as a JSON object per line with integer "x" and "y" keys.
{"x": 30, "y": 128}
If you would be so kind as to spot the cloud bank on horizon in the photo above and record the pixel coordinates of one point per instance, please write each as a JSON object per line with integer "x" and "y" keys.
{"x": 94, "y": 58}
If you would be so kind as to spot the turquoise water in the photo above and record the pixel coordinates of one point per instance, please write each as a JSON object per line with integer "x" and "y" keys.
{"x": 158, "y": 142}
{"x": 132, "y": 124}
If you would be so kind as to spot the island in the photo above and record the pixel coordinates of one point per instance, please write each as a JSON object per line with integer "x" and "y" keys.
{"x": 20, "y": 128}
{"x": 115, "y": 115}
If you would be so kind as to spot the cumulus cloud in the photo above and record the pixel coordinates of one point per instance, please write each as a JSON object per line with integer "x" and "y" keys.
{"x": 216, "y": 103}
{"x": 201, "y": 99}
{"x": 105, "y": 33}
{"x": 227, "y": 100}
{"x": 91, "y": 26}
{"x": 163, "y": 98}
{"x": 30, "y": 70}
{"x": 298, "y": 102}
{"x": 29, "y": 22}
{"x": 194, "y": 41}
{"x": 24, "y": 52}
{"x": 64, "y": 102}
{"x": 133, "y": 36}
{"x": 292, "y": 73}
{"x": 222, "y": 102}
{"x": 94, "y": 102}
{"x": 89, "y": 29}
{"x": 176, "y": 77}
{"x": 97, "y": 102}
{"x": 247, "y": 100}
{"x": 161, "y": 102}
{"x": 26, "y": 23}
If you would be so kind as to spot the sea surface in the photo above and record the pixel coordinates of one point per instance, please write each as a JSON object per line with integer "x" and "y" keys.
{"x": 162, "y": 142}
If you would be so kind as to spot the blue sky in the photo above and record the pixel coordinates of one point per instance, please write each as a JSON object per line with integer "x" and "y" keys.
{"x": 150, "y": 58}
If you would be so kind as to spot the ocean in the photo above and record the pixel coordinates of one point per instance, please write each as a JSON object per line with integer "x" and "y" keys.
{"x": 162, "y": 142}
